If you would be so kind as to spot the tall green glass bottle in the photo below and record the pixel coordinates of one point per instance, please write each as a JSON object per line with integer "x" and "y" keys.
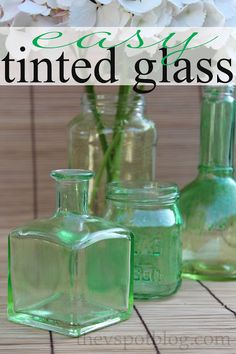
{"x": 208, "y": 204}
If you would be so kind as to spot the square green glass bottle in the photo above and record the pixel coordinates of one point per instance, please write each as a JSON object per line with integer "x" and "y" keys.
{"x": 71, "y": 273}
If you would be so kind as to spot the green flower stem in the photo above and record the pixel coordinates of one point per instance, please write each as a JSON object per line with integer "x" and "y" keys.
{"x": 100, "y": 172}
{"x": 121, "y": 116}
{"x": 122, "y": 103}
{"x": 99, "y": 125}
{"x": 112, "y": 152}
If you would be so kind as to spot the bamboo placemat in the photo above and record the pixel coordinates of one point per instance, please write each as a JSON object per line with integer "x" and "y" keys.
{"x": 200, "y": 318}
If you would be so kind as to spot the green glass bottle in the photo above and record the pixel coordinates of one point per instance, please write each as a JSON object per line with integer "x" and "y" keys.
{"x": 150, "y": 211}
{"x": 71, "y": 273}
{"x": 208, "y": 204}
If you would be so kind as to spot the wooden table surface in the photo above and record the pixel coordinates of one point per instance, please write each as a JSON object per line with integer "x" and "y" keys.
{"x": 200, "y": 318}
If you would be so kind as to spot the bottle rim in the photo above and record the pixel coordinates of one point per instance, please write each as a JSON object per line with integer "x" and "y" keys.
{"x": 108, "y": 95}
{"x": 143, "y": 192}
{"x": 112, "y": 101}
{"x": 72, "y": 174}
{"x": 220, "y": 90}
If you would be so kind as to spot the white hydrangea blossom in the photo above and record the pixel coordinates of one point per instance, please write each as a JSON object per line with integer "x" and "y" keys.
{"x": 118, "y": 12}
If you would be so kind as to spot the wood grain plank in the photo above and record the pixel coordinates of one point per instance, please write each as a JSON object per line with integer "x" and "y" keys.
{"x": 15, "y": 157}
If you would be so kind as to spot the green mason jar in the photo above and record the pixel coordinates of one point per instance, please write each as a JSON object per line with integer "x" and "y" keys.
{"x": 151, "y": 212}
{"x": 208, "y": 204}
{"x": 113, "y": 137}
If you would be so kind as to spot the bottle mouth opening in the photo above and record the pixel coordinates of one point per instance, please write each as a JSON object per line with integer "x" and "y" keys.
{"x": 114, "y": 97}
{"x": 143, "y": 192}
{"x": 72, "y": 175}
{"x": 112, "y": 101}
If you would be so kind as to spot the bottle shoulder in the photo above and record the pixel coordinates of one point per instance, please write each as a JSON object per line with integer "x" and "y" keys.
{"x": 209, "y": 201}
{"x": 79, "y": 120}
{"x": 209, "y": 185}
{"x": 71, "y": 230}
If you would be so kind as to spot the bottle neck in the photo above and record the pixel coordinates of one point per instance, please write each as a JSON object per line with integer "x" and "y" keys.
{"x": 72, "y": 196}
{"x": 217, "y": 132}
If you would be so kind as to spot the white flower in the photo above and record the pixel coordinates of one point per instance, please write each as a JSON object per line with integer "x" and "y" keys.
{"x": 55, "y": 4}
{"x": 181, "y": 3}
{"x": 214, "y": 17}
{"x": 227, "y": 8}
{"x": 160, "y": 16}
{"x": 148, "y": 19}
{"x": 32, "y": 8}
{"x": 9, "y": 9}
{"x": 87, "y": 14}
{"x": 231, "y": 22}
{"x": 164, "y": 13}
{"x": 192, "y": 15}
{"x": 83, "y": 14}
{"x": 220, "y": 13}
{"x": 139, "y": 7}
{"x": 105, "y": 19}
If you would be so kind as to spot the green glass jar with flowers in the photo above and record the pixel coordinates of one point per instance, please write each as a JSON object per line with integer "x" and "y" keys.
{"x": 112, "y": 137}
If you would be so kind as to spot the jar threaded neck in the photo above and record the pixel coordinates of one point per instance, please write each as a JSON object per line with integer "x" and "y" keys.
{"x": 143, "y": 193}
{"x": 108, "y": 103}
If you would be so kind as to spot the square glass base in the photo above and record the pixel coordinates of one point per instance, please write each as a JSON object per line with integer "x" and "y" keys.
{"x": 67, "y": 328}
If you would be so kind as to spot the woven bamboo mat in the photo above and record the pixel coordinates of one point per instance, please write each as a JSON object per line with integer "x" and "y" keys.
{"x": 200, "y": 318}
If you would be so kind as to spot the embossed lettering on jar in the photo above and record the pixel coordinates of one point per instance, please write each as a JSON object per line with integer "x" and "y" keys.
{"x": 150, "y": 211}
